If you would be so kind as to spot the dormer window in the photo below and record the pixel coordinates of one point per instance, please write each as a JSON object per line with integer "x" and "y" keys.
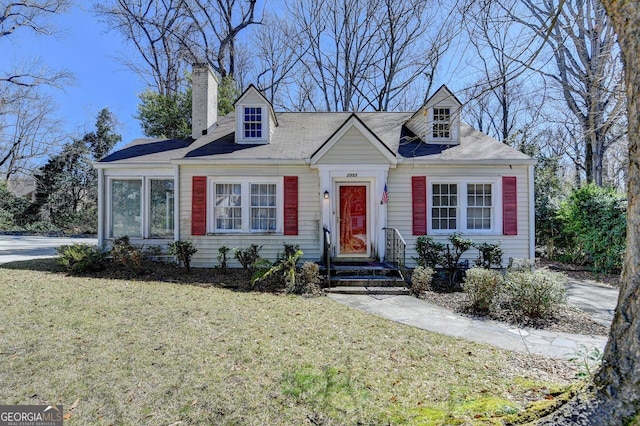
{"x": 255, "y": 119}
{"x": 253, "y": 123}
{"x": 442, "y": 123}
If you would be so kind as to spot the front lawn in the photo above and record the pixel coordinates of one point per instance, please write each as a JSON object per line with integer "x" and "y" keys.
{"x": 124, "y": 352}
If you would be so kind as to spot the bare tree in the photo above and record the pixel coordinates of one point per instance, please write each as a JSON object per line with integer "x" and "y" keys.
{"x": 216, "y": 25}
{"x": 29, "y": 14}
{"x": 156, "y": 28}
{"x": 366, "y": 54}
{"x": 615, "y": 397}
{"x": 277, "y": 54}
{"x": 27, "y": 130}
{"x": 582, "y": 42}
{"x": 170, "y": 35}
{"x": 500, "y": 103}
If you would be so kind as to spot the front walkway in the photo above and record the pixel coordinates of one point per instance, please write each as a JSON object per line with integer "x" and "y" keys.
{"x": 419, "y": 313}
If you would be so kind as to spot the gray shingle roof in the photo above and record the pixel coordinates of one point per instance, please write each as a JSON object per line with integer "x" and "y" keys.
{"x": 299, "y": 134}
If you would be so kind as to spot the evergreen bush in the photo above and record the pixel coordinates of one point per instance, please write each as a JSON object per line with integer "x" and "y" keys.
{"x": 421, "y": 280}
{"x": 81, "y": 258}
{"x": 482, "y": 286}
{"x": 535, "y": 295}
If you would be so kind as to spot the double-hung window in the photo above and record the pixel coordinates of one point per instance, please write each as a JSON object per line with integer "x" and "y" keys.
{"x": 442, "y": 123}
{"x": 263, "y": 207}
{"x": 141, "y": 207}
{"x": 479, "y": 206}
{"x": 444, "y": 213}
{"x": 462, "y": 206}
{"x": 247, "y": 206}
{"x": 228, "y": 206}
{"x": 252, "y": 123}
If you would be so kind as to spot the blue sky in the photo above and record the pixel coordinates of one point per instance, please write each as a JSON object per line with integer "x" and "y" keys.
{"x": 86, "y": 49}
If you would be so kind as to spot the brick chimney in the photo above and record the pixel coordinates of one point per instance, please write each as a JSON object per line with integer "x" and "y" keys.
{"x": 204, "y": 100}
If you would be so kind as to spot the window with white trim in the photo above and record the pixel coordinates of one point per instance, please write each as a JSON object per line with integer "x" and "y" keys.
{"x": 462, "y": 206}
{"x": 479, "y": 206}
{"x": 161, "y": 208}
{"x": 444, "y": 210}
{"x": 228, "y": 206}
{"x": 263, "y": 207}
{"x": 252, "y": 123}
{"x": 247, "y": 206}
{"x": 141, "y": 207}
{"x": 442, "y": 123}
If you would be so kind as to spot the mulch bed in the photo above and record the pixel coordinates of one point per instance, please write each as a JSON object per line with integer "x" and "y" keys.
{"x": 567, "y": 319}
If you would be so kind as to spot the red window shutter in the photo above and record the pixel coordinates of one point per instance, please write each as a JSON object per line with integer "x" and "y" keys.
{"x": 199, "y": 205}
{"x": 509, "y": 206}
{"x": 419, "y": 198}
{"x": 291, "y": 205}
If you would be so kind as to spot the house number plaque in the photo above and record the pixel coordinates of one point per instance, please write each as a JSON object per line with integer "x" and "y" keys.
{"x": 352, "y": 175}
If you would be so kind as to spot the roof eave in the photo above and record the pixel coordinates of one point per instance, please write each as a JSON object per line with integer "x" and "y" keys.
{"x": 483, "y": 162}
{"x": 238, "y": 161}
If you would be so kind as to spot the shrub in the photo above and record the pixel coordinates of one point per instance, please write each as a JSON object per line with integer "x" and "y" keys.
{"x": 421, "y": 279}
{"x": 81, "y": 258}
{"x": 489, "y": 255}
{"x": 248, "y": 257}
{"x": 594, "y": 226}
{"x": 517, "y": 264}
{"x": 183, "y": 250}
{"x": 126, "y": 254}
{"x": 482, "y": 286}
{"x": 451, "y": 258}
{"x": 285, "y": 271}
{"x": 310, "y": 281}
{"x": 429, "y": 252}
{"x": 535, "y": 295}
{"x": 222, "y": 258}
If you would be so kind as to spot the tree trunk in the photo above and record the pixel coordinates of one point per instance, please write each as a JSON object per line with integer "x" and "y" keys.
{"x": 614, "y": 398}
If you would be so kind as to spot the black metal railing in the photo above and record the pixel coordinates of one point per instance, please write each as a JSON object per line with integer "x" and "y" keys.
{"x": 326, "y": 254}
{"x": 395, "y": 250}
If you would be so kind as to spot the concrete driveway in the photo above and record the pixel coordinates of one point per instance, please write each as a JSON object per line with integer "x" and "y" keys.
{"x": 26, "y": 247}
{"x": 598, "y": 300}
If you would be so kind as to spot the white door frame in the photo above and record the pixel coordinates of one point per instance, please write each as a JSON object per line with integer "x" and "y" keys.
{"x": 376, "y": 176}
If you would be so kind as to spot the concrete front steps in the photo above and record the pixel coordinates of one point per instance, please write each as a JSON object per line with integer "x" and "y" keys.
{"x": 366, "y": 278}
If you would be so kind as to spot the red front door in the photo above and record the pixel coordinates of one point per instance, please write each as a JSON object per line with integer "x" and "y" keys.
{"x": 353, "y": 219}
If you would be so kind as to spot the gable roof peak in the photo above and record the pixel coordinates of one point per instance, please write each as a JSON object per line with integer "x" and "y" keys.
{"x": 449, "y": 94}
{"x": 252, "y": 89}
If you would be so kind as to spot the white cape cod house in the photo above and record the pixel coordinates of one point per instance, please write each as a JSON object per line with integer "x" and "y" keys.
{"x": 256, "y": 176}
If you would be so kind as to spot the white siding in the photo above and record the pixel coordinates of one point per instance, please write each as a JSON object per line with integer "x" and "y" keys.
{"x": 308, "y": 237}
{"x": 353, "y": 148}
{"x": 400, "y": 214}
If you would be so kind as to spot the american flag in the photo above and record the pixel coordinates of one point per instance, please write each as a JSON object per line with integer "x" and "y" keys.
{"x": 385, "y": 195}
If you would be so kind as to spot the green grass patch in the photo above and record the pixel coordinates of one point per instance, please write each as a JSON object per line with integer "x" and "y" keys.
{"x": 155, "y": 353}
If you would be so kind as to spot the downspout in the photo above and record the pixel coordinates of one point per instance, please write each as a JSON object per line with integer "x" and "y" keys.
{"x": 532, "y": 214}
{"x": 101, "y": 216}
{"x": 176, "y": 202}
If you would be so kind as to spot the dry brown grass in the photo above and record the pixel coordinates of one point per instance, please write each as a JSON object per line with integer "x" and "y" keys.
{"x": 149, "y": 352}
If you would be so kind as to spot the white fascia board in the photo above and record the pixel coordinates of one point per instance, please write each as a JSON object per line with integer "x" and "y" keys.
{"x": 239, "y": 161}
{"x": 487, "y": 162}
{"x": 130, "y": 165}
